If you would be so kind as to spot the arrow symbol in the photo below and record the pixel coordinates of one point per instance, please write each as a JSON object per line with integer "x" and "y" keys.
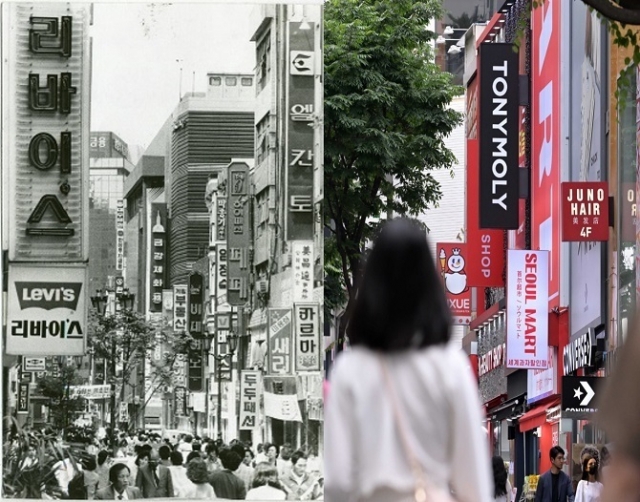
{"x": 590, "y": 393}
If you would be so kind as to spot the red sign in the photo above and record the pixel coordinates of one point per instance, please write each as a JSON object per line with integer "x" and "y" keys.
{"x": 485, "y": 246}
{"x": 585, "y": 211}
{"x": 546, "y": 139}
{"x": 452, "y": 265}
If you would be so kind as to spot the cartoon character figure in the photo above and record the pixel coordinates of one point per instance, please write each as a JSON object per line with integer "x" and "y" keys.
{"x": 455, "y": 279}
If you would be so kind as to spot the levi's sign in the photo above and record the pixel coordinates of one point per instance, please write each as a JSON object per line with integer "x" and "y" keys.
{"x": 48, "y": 295}
{"x": 498, "y": 131}
{"x": 585, "y": 211}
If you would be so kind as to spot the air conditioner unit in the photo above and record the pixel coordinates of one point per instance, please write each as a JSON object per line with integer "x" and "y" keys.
{"x": 262, "y": 286}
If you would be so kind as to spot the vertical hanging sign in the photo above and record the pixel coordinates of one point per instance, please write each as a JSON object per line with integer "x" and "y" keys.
{"x": 279, "y": 349}
{"x": 157, "y": 260}
{"x": 248, "y": 399}
{"x": 307, "y": 337}
{"x": 300, "y": 132}
{"x": 120, "y": 235}
{"x": 452, "y": 263}
{"x": 302, "y": 271}
{"x": 239, "y": 234}
{"x": 196, "y": 297}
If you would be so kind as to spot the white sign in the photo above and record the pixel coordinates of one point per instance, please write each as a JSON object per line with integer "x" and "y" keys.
{"x": 302, "y": 271}
{"x": 282, "y": 406}
{"x": 120, "y": 235}
{"x": 34, "y": 364}
{"x": 527, "y": 309}
{"x": 198, "y": 402}
{"x": 249, "y": 400}
{"x": 543, "y": 383}
{"x": 302, "y": 63}
{"x": 90, "y": 391}
{"x": 308, "y": 356}
{"x": 46, "y": 311}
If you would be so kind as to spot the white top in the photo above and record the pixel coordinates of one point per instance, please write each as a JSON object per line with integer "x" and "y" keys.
{"x": 507, "y": 496}
{"x": 442, "y": 412}
{"x": 266, "y": 492}
{"x": 588, "y": 492}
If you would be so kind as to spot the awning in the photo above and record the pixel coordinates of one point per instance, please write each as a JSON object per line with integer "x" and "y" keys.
{"x": 535, "y": 417}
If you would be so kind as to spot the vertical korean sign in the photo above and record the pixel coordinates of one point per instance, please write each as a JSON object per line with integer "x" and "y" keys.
{"x": 194, "y": 326}
{"x": 238, "y": 239}
{"x": 221, "y": 244}
{"x": 527, "y": 311}
{"x": 279, "y": 349}
{"x": 300, "y": 134}
{"x": 23, "y": 398}
{"x": 157, "y": 261}
{"x": 546, "y": 139}
{"x": 180, "y": 326}
{"x": 120, "y": 235}
{"x": 302, "y": 271}
{"x": 452, "y": 264}
{"x": 307, "y": 337}
{"x": 249, "y": 399}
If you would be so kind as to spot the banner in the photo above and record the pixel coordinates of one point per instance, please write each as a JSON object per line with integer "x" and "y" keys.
{"x": 249, "y": 399}
{"x": 452, "y": 265}
{"x": 302, "y": 270}
{"x": 90, "y": 391}
{"x": 279, "y": 349}
{"x": 499, "y": 100}
{"x": 120, "y": 235}
{"x": 585, "y": 211}
{"x": 307, "y": 337}
{"x": 527, "y": 311}
{"x": 281, "y": 399}
{"x": 239, "y": 234}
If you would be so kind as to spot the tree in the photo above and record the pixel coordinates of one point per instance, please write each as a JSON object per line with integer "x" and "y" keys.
{"x": 386, "y": 117}
{"x": 62, "y": 406}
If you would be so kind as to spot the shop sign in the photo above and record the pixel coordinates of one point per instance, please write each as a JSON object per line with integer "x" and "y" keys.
{"x": 499, "y": 101}
{"x": 248, "y": 399}
{"x": 46, "y": 312}
{"x": 90, "y": 391}
{"x": 279, "y": 345}
{"x": 485, "y": 247}
{"x": 453, "y": 269}
{"x": 578, "y": 353}
{"x": 157, "y": 277}
{"x": 23, "y": 397}
{"x": 299, "y": 135}
{"x": 195, "y": 302}
{"x": 307, "y": 337}
{"x": 167, "y": 306}
{"x": 315, "y": 409}
{"x": 196, "y": 371}
{"x": 33, "y": 364}
{"x": 180, "y": 308}
{"x": 180, "y": 401}
{"x": 492, "y": 360}
{"x": 281, "y": 398}
{"x": 580, "y": 395}
{"x": 180, "y": 377}
{"x": 239, "y": 233}
{"x": 585, "y": 211}
{"x": 120, "y": 235}
{"x": 302, "y": 271}
{"x": 527, "y": 310}
{"x": 546, "y": 139}
{"x": 542, "y": 383}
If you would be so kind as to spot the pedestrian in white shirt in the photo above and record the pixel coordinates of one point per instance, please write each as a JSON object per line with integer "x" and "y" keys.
{"x": 589, "y": 487}
{"x": 501, "y": 485}
{"x": 403, "y": 414}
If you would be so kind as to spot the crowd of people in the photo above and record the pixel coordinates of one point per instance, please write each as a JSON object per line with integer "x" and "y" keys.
{"x": 184, "y": 467}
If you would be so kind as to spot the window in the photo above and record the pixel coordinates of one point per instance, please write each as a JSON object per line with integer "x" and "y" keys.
{"x": 230, "y": 81}
{"x": 215, "y": 81}
{"x": 246, "y": 81}
{"x": 264, "y": 62}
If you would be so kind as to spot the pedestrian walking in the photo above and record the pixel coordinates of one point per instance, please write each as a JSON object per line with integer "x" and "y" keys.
{"x": 225, "y": 483}
{"x": 199, "y": 477}
{"x": 181, "y": 483}
{"x": 501, "y": 485}
{"x": 265, "y": 484}
{"x": 554, "y": 485}
{"x": 589, "y": 487}
{"x": 119, "y": 488}
{"x": 298, "y": 483}
{"x": 154, "y": 480}
{"x": 403, "y": 415}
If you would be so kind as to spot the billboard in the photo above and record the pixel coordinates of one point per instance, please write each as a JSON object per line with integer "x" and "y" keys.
{"x": 499, "y": 105}
{"x": 239, "y": 233}
{"x": 452, "y": 264}
{"x": 279, "y": 343}
{"x": 308, "y": 355}
{"x": 527, "y": 309}
{"x": 546, "y": 139}
{"x": 47, "y": 310}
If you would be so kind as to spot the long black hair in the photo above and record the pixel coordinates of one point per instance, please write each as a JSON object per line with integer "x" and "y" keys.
{"x": 401, "y": 301}
{"x": 585, "y": 473}
{"x": 499, "y": 477}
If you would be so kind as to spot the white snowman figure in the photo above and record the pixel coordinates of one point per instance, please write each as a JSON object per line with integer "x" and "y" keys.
{"x": 456, "y": 279}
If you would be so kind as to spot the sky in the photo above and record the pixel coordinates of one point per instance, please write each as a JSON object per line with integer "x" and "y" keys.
{"x": 138, "y": 50}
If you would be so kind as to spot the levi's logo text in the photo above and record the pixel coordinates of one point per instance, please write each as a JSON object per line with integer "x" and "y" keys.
{"x": 48, "y": 295}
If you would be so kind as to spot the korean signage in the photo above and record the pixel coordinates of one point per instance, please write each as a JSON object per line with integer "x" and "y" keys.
{"x": 120, "y": 235}
{"x": 167, "y": 306}
{"x": 239, "y": 234}
{"x": 180, "y": 368}
{"x": 302, "y": 271}
{"x": 485, "y": 248}
{"x": 46, "y": 311}
{"x": 195, "y": 302}
{"x": 90, "y": 391}
{"x": 196, "y": 370}
{"x": 180, "y": 402}
{"x": 579, "y": 396}
{"x": 527, "y": 310}
{"x": 107, "y": 145}
{"x": 307, "y": 337}
{"x": 180, "y": 308}
{"x": 279, "y": 346}
{"x": 23, "y": 397}
{"x": 499, "y": 171}
{"x": 157, "y": 259}
{"x": 281, "y": 398}
{"x": 585, "y": 211}
{"x": 34, "y": 364}
{"x": 453, "y": 269}
{"x": 223, "y": 327}
{"x": 47, "y": 130}
{"x": 546, "y": 139}
{"x": 300, "y": 133}
{"x": 543, "y": 382}
{"x": 248, "y": 400}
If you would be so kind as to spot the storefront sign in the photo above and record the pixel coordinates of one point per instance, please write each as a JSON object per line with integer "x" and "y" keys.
{"x": 453, "y": 269}
{"x": 180, "y": 402}
{"x": 307, "y": 337}
{"x": 46, "y": 311}
{"x": 195, "y": 302}
{"x": 281, "y": 399}
{"x": 279, "y": 346}
{"x": 527, "y": 311}
{"x": 302, "y": 271}
{"x": 492, "y": 360}
{"x": 499, "y": 100}
{"x": 120, "y": 235}
{"x": 546, "y": 139}
{"x": 180, "y": 308}
{"x": 33, "y": 364}
{"x": 167, "y": 306}
{"x": 543, "y": 383}
{"x": 585, "y": 211}
{"x": 196, "y": 371}
{"x": 179, "y": 371}
{"x": 248, "y": 400}
{"x": 239, "y": 234}
{"x": 90, "y": 391}
{"x": 485, "y": 247}
{"x": 578, "y": 353}
{"x": 157, "y": 260}
{"x": 23, "y": 397}
{"x": 579, "y": 395}
{"x": 299, "y": 136}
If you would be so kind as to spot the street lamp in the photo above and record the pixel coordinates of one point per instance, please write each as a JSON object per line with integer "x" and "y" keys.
{"x": 232, "y": 341}
{"x": 100, "y": 302}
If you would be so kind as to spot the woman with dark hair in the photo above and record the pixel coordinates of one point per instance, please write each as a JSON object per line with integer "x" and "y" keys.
{"x": 589, "y": 487}
{"x": 402, "y": 418}
{"x": 198, "y": 475}
{"x": 501, "y": 485}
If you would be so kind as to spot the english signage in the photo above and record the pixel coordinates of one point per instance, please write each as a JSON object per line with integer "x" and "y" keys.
{"x": 452, "y": 266}
{"x": 580, "y": 395}
{"x": 578, "y": 353}
{"x": 585, "y": 211}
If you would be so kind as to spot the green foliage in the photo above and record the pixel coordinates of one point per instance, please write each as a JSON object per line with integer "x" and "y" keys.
{"x": 62, "y": 407}
{"x": 386, "y": 118}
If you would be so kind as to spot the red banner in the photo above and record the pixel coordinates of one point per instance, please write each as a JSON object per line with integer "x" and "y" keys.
{"x": 453, "y": 269}
{"x": 546, "y": 139}
{"x": 585, "y": 211}
{"x": 485, "y": 246}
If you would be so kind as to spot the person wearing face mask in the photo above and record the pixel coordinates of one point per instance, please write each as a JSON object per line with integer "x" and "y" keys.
{"x": 589, "y": 488}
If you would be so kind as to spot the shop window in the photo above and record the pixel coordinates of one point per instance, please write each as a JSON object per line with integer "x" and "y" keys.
{"x": 215, "y": 81}
{"x": 230, "y": 81}
{"x": 246, "y": 81}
